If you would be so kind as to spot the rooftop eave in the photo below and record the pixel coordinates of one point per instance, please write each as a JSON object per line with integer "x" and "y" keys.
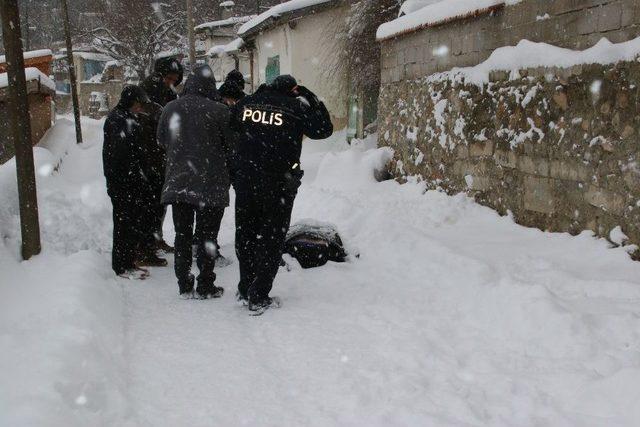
{"x": 284, "y": 18}
{"x": 471, "y": 15}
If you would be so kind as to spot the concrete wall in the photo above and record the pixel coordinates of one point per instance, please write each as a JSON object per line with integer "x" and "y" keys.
{"x": 565, "y": 160}
{"x": 40, "y": 115}
{"x": 305, "y": 52}
{"x": 575, "y": 24}
{"x": 112, "y": 89}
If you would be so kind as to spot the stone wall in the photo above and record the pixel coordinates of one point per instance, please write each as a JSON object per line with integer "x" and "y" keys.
{"x": 575, "y": 24}
{"x": 560, "y": 151}
{"x": 558, "y": 148}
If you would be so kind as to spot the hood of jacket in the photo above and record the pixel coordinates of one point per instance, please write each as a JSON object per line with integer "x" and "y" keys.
{"x": 130, "y": 95}
{"x": 201, "y": 82}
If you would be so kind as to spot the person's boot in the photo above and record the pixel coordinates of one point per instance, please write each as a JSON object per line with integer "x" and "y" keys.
{"x": 259, "y": 305}
{"x": 163, "y": 246}
{"x": 135, "y": 273}
{"x": 185, "y": 287}
{"x": 150, "y": 259}
{"x": 242, "y": 299}
{"x": 209, "y": 291}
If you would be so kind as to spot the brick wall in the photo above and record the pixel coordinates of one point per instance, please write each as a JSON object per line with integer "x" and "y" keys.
{"x": 567, "y": 159}
{"x": 575, "y": 24}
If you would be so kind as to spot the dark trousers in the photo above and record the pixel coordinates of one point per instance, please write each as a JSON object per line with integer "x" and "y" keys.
{"x": 127, "y": 233}
{"x": 263, "y": 215}
{"x": 207, "y": 221}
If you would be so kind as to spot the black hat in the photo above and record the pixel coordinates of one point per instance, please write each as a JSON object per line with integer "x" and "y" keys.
{"x": 132, "y": 94}
{"x": 284, "y": 83}
{"x": 236, "y": 77}
{"x": 166, "y": 66}
{"x": 231, "y": 90}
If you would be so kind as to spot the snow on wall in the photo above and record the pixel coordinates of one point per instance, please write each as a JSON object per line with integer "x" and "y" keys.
{"x": 278, "y": 10}
{"x": 528, "y": 54}
{"x": 30, "y": 73}
{"x": 433, "y": 14}
{"x": 30, "y": 54}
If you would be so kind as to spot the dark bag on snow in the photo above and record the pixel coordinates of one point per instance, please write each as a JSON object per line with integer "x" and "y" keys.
{"x": 314, "y": 243}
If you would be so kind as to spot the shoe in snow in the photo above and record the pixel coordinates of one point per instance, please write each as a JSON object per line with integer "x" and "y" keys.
{"x": 242, "y": 299}
{"x": 187, "y": 295}
{"x": 163, "y": 246}
{"x": 135, "y": 274}
{"x": 151, "y": 260}
{"x": 209, "y": 291}
{"x": 222, "y": 261}
{"x": 260, "y": 306}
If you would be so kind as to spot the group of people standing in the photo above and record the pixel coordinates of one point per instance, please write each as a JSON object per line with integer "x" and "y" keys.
{"x": 161, "y": 149}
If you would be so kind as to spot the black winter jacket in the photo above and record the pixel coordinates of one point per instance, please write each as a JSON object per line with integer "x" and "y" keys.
{"x": 195, "y": 132}
{"x": 121, "y": 154}
{"x": 270, "y": 126}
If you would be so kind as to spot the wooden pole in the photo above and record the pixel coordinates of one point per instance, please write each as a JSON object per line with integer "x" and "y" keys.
{"x": 190, "y": 32}
{"x": 72, "y": 71}
{"x": 20, "y": 128}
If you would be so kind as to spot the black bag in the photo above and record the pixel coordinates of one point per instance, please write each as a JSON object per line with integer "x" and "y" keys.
{"x": 314, "y": 243}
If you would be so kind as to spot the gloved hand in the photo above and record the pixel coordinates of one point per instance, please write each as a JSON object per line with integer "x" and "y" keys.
{"x": 307, "y": 94}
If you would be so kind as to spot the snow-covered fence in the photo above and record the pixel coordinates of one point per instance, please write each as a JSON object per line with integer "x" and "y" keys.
{"x": 548, "y": 133}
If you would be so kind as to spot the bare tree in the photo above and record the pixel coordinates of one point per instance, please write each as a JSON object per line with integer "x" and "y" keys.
{"x": 135, "y": 32}
{"x": 360, "y": 59}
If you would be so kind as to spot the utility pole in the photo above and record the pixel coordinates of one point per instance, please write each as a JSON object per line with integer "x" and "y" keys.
{"x": 27, "y": 36}
{"x": 20, "y": 128}
{"x": 72, "y": 71}
{"x": 190, "y": 32}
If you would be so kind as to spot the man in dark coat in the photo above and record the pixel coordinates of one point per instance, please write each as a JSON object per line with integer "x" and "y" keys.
{"x": 266, "y": 176}
{"x": 125, "y": 179}
{"x": 237, "y": 79}
{"x": 160, "y": 86}
{"x": 195, "y": 132}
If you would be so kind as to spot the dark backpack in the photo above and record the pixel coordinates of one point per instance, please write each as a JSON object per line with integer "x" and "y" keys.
{"x": 314, "y": 243}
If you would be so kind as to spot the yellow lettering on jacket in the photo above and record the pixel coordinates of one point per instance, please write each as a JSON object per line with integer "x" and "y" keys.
{"x": 263, "y": 117}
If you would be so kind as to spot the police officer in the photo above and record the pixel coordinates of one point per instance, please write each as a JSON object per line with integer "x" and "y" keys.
{"x": 126, "y": 180}
{"x": 266, "y": 175}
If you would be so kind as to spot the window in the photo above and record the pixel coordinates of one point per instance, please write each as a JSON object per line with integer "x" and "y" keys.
{"x": 273, "y": 68}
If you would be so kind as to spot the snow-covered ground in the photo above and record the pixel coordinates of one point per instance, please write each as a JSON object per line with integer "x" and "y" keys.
{"x": 451, "y": 316}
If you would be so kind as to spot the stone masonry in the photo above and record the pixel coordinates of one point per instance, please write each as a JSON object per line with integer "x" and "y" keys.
{"x": 558, "y": 148}
{"x": 573, "y": 24}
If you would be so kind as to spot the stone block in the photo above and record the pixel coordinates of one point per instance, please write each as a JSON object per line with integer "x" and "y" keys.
{"x": 587, "y": 22}
{"x": 533, "y": 165}
{"x": 479, "y": 183}
{"x": 462, "y": 151}
{"x": 481, "y": 149}
{"x": 606, "y": 200}
{"x": 609, "y": 17}
{"x": 538, "y": 195}
{"x": 505, "y": 158}
{"x": 570, "y": 170}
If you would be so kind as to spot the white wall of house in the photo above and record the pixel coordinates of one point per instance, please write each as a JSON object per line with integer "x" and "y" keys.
{"x": 305, "y": 52}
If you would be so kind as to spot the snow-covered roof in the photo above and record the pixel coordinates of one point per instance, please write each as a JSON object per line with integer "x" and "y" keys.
{"x": 278, "y": 11}
{"x": 436, "y": 14}
{"x": 31, "y": 54}
{"x": 30, "y": 74}
{"x": 231, "y": 47}
{"x": 227, "y": 3}
{"x": 234, "y": 20}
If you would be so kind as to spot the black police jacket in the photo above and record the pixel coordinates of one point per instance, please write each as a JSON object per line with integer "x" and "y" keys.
{"x": 270, "y": 126}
